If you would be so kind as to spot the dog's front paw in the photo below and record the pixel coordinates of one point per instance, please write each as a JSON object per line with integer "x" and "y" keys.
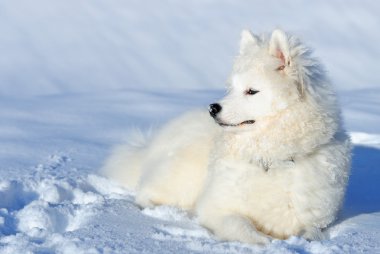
{"x": 260, "y": 239}
{"x": 313, "y": 234}
{"x": 239, "y": 228}
{"x": 143, "y": 202}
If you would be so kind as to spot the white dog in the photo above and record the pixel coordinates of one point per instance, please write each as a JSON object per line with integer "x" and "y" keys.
{"x": 272, "y": 160}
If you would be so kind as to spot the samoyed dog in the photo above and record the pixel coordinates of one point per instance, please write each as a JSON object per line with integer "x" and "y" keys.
{"x": 270, "y": 160}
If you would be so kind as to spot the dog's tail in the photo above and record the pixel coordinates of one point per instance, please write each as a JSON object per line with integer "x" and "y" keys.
{"x": 124, "y": 165}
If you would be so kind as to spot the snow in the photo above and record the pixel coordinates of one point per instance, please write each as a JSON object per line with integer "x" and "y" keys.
{"x": 77, "y": 77}
{"x": 54, "y": 201}
{"x": 70, "y": 46}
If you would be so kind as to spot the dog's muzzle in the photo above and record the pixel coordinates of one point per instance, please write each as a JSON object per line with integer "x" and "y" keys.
{"x": 215, "y": 108}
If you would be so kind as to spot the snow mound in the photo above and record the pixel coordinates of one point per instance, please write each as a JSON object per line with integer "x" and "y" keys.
{"x": 365, "y": 139}
{"x": 38, "y": 209}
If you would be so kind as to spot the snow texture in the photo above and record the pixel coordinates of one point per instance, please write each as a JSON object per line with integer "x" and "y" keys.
{"x": 77, "y": 77}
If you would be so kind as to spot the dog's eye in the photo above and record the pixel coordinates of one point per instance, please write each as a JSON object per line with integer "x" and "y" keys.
{"x": 251, "y": 92}
{"x": 280, "y": 68}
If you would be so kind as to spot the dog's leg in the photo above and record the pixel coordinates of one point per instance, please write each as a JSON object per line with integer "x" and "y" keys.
{"x": 238, "y": 228}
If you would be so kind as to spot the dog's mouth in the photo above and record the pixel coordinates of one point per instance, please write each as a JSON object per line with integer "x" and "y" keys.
{"x": 235, "y": 125}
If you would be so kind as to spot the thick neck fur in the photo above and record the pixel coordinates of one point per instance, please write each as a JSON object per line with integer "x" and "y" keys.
{"x": 294, "y": 132}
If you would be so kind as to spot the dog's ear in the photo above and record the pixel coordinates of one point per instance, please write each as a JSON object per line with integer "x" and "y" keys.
{"x": 279, "y": 47}
{"x": 247, "y": 40}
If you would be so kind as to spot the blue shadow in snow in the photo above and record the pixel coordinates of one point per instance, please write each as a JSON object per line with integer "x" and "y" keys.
{"x": 363, "y": 191}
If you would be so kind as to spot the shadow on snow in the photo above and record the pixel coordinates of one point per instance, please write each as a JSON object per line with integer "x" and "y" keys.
{"x": 363, "y": 192}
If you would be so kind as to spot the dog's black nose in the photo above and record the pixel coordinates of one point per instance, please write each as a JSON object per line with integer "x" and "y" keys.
{"x": 214, "y": 109}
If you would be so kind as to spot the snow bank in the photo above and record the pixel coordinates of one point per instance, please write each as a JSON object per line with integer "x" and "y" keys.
{"x": 55, "y": 47}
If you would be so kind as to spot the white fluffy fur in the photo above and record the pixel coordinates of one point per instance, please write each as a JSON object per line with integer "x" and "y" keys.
{"x": 284, "y": 175}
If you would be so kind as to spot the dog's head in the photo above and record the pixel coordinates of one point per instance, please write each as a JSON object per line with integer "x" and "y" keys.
{"x": 268, "y": 76}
